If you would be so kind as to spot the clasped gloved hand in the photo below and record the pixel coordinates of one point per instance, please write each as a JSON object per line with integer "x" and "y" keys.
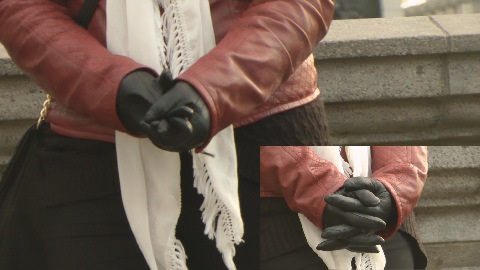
{"x": 172, "y": 114}
{"x": 137, "y": 92}
{"x": 179, "y": 120}
{"x": 354, "y": 213}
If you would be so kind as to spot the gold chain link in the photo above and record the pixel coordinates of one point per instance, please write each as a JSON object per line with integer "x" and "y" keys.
{"x": 47, "y": 104}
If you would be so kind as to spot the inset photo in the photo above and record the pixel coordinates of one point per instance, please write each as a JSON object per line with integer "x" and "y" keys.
{"x": 368, "y": 207}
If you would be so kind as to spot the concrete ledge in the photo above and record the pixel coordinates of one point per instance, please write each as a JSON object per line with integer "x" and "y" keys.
{"x": 454, "y": 157}
{"x": 382, "y": 37}
{"x": 457, "y": 224}
{"x": 461, "y": 72}
{"x": 440, "y": 255}
{"x": 400, "y": 36}
{"x": 382, "y": 78}
{"x": 450, "y": 120}
{"x": 451, "y": 188}
{"x": 462, "y": 31}
{"x": 397, "y": 77}
{"x": 402, "y": 80}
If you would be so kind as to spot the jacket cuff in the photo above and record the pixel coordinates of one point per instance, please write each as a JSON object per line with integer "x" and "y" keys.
{"x": 391, "y": 229}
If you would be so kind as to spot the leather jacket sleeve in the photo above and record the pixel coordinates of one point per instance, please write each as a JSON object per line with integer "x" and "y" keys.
{"x": 403, "y": 171}
{"x": 63, "y": 58}
{"x": 302, "y": 178}
{"x": 265, "y": 45}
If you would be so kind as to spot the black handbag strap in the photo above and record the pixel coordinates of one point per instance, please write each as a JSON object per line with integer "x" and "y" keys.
{"x": 86, "y": 13}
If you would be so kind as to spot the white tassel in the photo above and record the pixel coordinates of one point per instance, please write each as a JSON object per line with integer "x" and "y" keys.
{"x": 177, "y": 50}
{"x": 176, "y": 259}
{"x": 347, "y": 169}
{"x": 215, "y": 215}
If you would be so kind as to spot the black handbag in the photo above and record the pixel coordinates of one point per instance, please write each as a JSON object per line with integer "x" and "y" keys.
{"x": 12, "y": 181}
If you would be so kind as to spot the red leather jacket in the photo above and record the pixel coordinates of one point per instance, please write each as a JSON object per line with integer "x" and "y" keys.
{"x": 297, "y": 174}
{"x": 260, "y": 66}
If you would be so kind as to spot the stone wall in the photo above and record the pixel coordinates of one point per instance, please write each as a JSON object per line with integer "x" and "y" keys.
{"x": 405, "y": 81}
{"x": 402, "y": 80}
{"x": 448, "y": 212}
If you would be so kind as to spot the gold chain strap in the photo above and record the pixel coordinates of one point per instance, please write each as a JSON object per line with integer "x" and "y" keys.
{"x": 47, "y": 104}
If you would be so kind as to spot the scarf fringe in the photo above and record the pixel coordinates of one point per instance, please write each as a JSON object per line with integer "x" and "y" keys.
{"x": 161, "y": 45}
{"x": 176, "y": 257}
{"x": 175, "y": 50}
{"x": 347, "y": 168}
{"x": 368, "y": 261}
{"x": 215, "y": 214}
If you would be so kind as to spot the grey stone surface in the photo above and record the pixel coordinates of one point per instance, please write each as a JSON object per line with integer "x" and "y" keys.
{"x": 449, "y": 224}
{"x": 463, "y": 32}
{"x": 453, "y": 256}
{"x": 429, "y": 121}
{"x": 451, "y": 187}
{"x": 464, "y": 72}
{"x": 454, "y": 157}
{"x": 3, "y": 52}
{"x": 401, "y": 36}
{"x": 459, "y": 111}
{"x": 381, "y": 117}
{"x": 382, "y": 37}
{"x": 6, "y": 65}
{"x": 381, "y": 78}
{"x": 19, "y": 98}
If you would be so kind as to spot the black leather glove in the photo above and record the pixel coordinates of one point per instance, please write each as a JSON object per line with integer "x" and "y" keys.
{"x": 136, "y": 94}
{"x": 351, "y": 230}
{"x": 359, "y": 205}
{"x": 366, "y": 196}
{"x": 360, "y": 197}
{"x": 348, "y": 237}
{"x": 179, "y": 120}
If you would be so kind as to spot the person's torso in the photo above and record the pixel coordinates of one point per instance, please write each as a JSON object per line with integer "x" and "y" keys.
{"x": 299, "y": 89}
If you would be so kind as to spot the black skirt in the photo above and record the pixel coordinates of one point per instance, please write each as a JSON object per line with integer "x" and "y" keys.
{"x": 63, "y": 209}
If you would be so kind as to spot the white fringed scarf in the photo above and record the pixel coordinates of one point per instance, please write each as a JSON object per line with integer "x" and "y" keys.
{"x": 359, "y": 164}
{"x": 150, "y": 177}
